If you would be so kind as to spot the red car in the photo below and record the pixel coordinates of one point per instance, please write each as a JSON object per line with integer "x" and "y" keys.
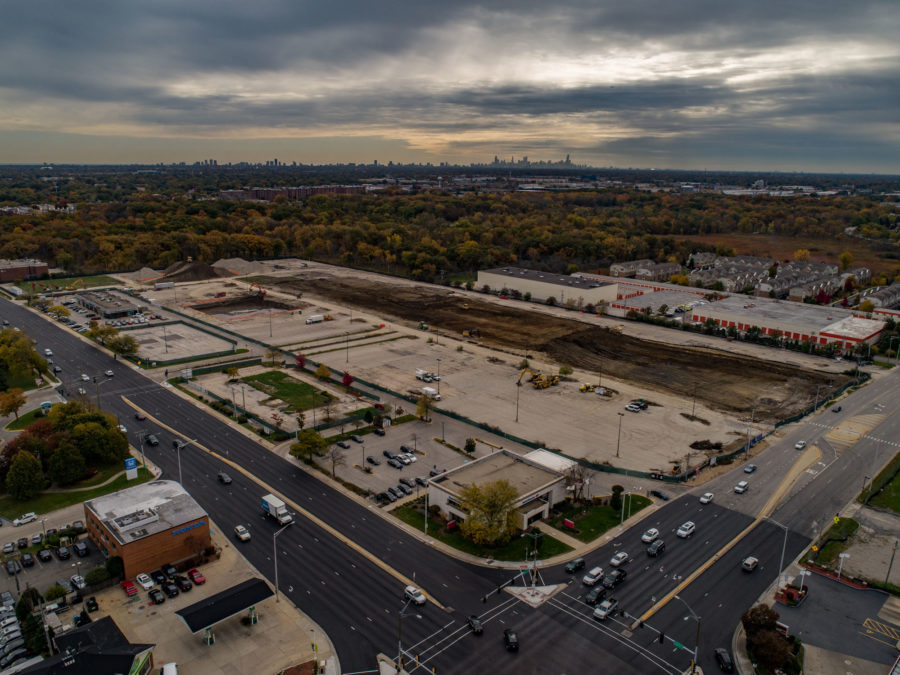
{"x": 129, "y": 588}
{"x": 196, "y": 577}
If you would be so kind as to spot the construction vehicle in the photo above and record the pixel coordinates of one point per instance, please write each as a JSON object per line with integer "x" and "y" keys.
{"x": 522, "y": 374}
{"x": 543, "y": 381}
{"x": 587, "y": 386}
{"x": 616, "y": 329}
{"x": 260, "y": 291}
{"x": 422, "y": 326}
{"x": 472, "y": 332}
{"x": 328, "y": 317}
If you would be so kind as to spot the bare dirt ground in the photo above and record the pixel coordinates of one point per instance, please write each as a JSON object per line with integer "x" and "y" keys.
{"x": 725, "y": 382}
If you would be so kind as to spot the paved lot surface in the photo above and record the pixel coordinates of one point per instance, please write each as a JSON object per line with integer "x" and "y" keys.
{"x": 835, "y": 614}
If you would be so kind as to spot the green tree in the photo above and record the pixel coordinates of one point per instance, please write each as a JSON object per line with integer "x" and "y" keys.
{"x": 96, "y": 576}
{"x": 55, "y": 592}
{"x": 232, "y": 373}
{"x": 470, "y": 446}
{"x": 123, "y": 345}
{"x": 565, "y": 369}
{"x": 25, "y": 478}
{"x": 11, "y": 401}
{"x": 491, "y": 513}
{"x": 115, "y": 566}
{"x": 308, "y": 444}
{"x": 615, "y": 502}
{"x": 424, "y": 406}
{"x": 369, "y": 416}
{"x": 66, "y": 465}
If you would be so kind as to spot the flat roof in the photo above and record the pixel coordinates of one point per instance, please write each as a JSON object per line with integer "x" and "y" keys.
{"x": 550, "y": 459}
{"x": 855, "y": 327}
{"x": 814, "y": 316}
{"x": 108, "y": 300}
{"x": 547, "y": 277}
{"x": 143, "y": 510}
{"x": 655, "y": 299}
{"x": 216, "y": 608}
{"x": 524, "y": 475}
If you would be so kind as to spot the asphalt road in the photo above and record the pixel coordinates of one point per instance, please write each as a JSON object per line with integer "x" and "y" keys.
{"x": 357, "y": 603}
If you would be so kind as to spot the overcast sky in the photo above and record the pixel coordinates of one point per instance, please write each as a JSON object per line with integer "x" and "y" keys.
{"x": 786, "y": 85}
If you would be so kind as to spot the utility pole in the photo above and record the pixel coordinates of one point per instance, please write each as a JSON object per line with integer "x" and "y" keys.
{"x": 619, "y": 438}
{"x": 275, "y": 555}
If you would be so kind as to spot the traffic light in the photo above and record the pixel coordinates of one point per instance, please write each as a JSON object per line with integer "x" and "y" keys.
{"x": 662, "y": 637}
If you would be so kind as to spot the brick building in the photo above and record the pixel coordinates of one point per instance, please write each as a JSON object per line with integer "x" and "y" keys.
{"x": 148, "y": 525}
{"x": 17, "y": 270}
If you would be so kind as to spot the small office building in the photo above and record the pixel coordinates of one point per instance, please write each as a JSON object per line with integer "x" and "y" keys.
{"x": 538, "y": 486}
{"x": 108, "y": 304}
{"x": 148, "y": 525}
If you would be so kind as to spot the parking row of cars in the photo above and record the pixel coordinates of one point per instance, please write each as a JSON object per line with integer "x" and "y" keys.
{"x": 12, "y": 644}
{"x": 170, "y": 583}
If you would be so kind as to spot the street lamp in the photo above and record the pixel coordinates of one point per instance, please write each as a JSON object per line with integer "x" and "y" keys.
{"x": 697, "y": 642}
{"x": 890, "y": 342}
{"x": 400, "y": 616}
{"x": 275, "y": 555}
{"x": 518, "y": 386}
{"x": 179, "y": 444}
{"x": 347, "y": 358}
{"x": 842, "y": 556}
{"x": 619, "y": 438}
{"x": 783, "y": 548}
{"x": 141, "y": 434}
{"x": 439, "y": 376}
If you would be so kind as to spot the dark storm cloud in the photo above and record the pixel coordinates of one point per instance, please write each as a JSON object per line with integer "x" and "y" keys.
{"x": 699, "y": 73}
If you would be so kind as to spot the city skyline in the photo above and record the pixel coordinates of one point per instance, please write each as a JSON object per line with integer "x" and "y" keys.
{"x": 768, "y": 87}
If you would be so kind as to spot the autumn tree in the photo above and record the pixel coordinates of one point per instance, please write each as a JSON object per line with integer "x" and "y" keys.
{"x": 25, "y": 478}
{"x": 846, "y": 259}
{"x": 491, "y": 512}
{"x": 424, "y": 406}
{"x": 308, "y": 444}
{"x": 59, "y": 311}
{"x": 347, "y": 379}
{"x": 232, "y": 373}
{"x": 11, "y": 401}
{"x": 336, "y": 457}
{"x": 565, "y": 370}
{"x": 866, "y": 306}
{"x": 300, "y": 361}
{"x": 323, "y": 372}
{"x": 801, "y": 254}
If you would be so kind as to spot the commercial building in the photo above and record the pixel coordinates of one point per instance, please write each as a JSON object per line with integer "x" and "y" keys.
{"x": 148, "y": 525}
{"x": 17, "y": 270}
{"x": 565, "y": 290}
{"x": 538, "y": 487}
{"x": 108, "y": 304}
{"x": 792, "y": 321}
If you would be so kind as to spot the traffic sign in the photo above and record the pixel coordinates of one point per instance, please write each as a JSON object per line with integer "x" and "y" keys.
{"x": 679, "y": 645}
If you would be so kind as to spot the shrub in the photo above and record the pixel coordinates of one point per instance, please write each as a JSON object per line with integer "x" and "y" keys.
{"x": 55, "y": 592}
{"x": 96, "y": 576}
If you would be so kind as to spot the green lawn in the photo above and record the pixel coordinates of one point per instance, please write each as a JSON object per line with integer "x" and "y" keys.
{"x": 24, "y": 420}
{"x": 294, "y": 392}
{"x": 834, "y": 541}
{"x": 412, "y": 514}
{"x": 593, "y": 520}
{"x": 51, "y": 501}
{"x": 65, "y": 282}
{"x": 889, "y": 496}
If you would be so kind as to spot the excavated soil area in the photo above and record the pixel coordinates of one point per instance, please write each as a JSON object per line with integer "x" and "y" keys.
{"x": 723, "y": 381}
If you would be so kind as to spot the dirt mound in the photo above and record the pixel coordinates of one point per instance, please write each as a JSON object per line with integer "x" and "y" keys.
{"x": 723, "y": 381}
{"x": 193, "y": 271}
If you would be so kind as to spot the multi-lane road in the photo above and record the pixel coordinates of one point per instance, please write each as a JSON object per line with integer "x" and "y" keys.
{"x": 329, "y": 574}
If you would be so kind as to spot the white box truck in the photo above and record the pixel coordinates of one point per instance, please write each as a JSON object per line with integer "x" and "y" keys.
{"x": 431, "y": 392}
{"x": 423, "y": 375}
{"x": 275, "y": 508}
{"x": 315, "y": 318}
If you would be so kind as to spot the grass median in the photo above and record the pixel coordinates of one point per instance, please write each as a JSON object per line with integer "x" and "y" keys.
{"x": 412, "y": 513}
{"x": 592, "y": 520}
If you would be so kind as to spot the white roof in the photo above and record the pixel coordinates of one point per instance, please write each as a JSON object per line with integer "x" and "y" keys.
{"x": 551, "y": 460}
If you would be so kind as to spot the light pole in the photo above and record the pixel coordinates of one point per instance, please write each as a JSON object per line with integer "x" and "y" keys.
{"x": 275, "y": 554}
{"x": 364, "y": 455}
{"x": 891, "y": 342}
{"x": 816, "y": 407}
{"x": 747, "y": 440}
{"x": 400, "y": 617}
{"x": 179, "y": 444}
{"x": 619, "y": 438}
{"x": 842, "y": 556}
{"x": 141, "y": 434}
{"x": 783, "y": 548}
{"x": 165, "y": 338}
{"x": 518, "y": 385}
{"x": 697, "y": 641}
{"x": 439, "y": 376}
{"x": 347, "y": 358}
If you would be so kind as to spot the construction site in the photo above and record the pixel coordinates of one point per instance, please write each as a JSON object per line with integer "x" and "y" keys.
{"x": 631, "y": 402}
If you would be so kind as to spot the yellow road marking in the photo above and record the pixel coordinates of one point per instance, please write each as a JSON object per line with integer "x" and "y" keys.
{"x": 371, "y": 557}
{"x": 873, "y": 626}
{"x": 810, "y": 456}
{"x": 889, "y": 644}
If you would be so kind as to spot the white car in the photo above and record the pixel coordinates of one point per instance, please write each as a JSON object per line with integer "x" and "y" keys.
{"x": 403, "y": 457}
{"x": 109, "y": 373}
{"x": 78, "y": 581}
{"x": 741, "y": 487}
{"x": 619, "y": 558}
{"x": 606, "y": 608}
{"x": 145, "y": 581}
{"x": 85, "y": 378}
{"x": 48, "y": 352}
{"x": 414, "y": 595}
{"x": 592, "y": 577}
{"x": 25, "y": 518}
{"x": 81, "y": 391}
{"x": 411, "y": 457}
{"x": 242, "y": 533}
{"x": 123, "y": 428}
{"x": 799, "y": 445}
{"x": 650, "y": 536}
{"x": 706, "y": 498}
{"x": 686, "y": 530}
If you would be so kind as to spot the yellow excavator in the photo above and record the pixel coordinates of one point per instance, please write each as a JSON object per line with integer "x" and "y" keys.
{"x": 587, "y": 386}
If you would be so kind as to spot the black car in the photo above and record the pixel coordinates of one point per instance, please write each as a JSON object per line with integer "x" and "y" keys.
{"x": 836, "y": 409}
{"x": 169, "y": 570}
{"x": 12, "y": 568}
{"x": 396, "y": 463}
{"x": 614, "y": 578}
{"x": 152, "y": 440}
{"x": 394, "y": 491}
{"x": 378, "y": 431}
{"x": 723, "y": 658}
{"x": 475, "y": 624}
{"x": 224, "y": 478}
{"x": 170, "y": 589}
{"x": 343, "y": 444}
{"x": 63, "y": 553}
{"x": 389, "y": 454}
{"x": 22, "y": 543}
{"x": 659, "y": 494}
{"x": 511, "y": 640}
{"x": 422, "y": 481}
{"x": 750, "y": 468}
{"x": 81, "y": 549}
{"x": 91, "y": 604}
{"x": 406, "y": 448}
{"x": 184, "y": 585}
{"x": 574, "y": 565}
{"x": 51, "y": 531}
{"x": 27, "y": 560}
{"x": 140, "y": 416}
{"x": 386, "y": 497}
{"x": 405, "y": 489}
{"x": 44, "y": 555}
{"x": 436, "y": 472}
{"x": 658, "y": 547}
{"x": 158, "y": 576}
{"x": 595, "y": 595}
{"x": 373, "y": 460}
{"x": 356, "y": 439}
{"x": 156, "y": 596}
